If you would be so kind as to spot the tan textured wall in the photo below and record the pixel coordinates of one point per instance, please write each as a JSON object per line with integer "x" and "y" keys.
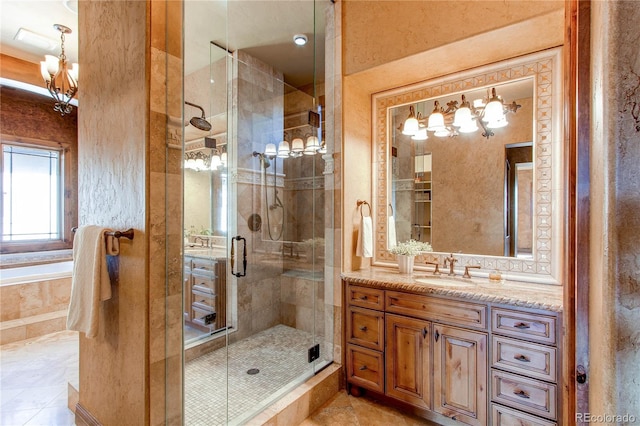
{"x": 378, "y": 32}
{"x": 112, "y": 139}
{"x": 615, "y": 187}
{"x": 476, "y": 50}
{"x": 128, "y": 178}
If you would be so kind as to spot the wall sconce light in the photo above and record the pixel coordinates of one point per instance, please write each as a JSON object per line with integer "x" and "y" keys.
{"x": 489, "y": 113}
{"x": 62, "y": 82}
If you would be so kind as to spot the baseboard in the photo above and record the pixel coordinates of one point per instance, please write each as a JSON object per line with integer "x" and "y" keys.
{"x": 84, "y": 417}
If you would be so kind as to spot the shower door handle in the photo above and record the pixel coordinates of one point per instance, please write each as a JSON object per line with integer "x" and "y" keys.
{"x": 244, "y": 256}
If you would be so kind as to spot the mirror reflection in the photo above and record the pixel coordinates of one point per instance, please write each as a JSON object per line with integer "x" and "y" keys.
{"x": 461, "y": 175}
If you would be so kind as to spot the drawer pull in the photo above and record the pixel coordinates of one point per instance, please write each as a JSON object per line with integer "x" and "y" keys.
{"x": 522, "y": 325}
{"x": 363, "y": 297}
{"x": 364, "y": 367}
{"x": 521, "y": 394}
{"x": 521, "y": 358}
{"x": 363, "y": 328}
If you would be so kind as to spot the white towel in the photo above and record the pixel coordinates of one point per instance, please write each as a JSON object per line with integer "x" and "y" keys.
{"x": 391, "y": 233}
{"x": 364, "y": 247}
{"x": 90, "y": 283}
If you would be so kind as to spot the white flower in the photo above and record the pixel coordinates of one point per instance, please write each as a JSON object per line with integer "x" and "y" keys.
{"x": 411, "y": 248}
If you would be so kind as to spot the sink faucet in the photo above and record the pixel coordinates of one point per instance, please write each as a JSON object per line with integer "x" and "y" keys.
{"x": 466, "y": 270}
{"x": 436, "y": 271}
{"x": 203, "y": 241}
{"x": 451, "y": 260}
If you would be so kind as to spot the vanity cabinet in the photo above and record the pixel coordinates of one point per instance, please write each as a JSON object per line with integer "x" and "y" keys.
{"x": 434, "y": 355}
{"x": 474, "y": 362}
{"x": 204, "y": 293}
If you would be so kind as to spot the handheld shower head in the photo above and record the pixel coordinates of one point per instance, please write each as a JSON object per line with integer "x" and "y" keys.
{"x": 199, "y": 122}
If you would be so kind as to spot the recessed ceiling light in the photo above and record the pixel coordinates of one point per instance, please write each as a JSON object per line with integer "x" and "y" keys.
{"x": 35, "y": 40}
{"x": 300, "y": 39}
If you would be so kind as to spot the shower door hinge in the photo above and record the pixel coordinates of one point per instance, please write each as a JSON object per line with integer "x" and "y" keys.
{"x": 314, "y": 353}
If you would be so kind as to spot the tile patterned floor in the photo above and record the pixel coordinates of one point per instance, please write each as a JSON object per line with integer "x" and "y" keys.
{"x": 347, "y": 410}
{"x": 280, "y": 353}
{"x": 34, "y": 375}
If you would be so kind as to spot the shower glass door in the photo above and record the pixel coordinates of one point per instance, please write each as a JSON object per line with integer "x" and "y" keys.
{"x": 255, "y": 290}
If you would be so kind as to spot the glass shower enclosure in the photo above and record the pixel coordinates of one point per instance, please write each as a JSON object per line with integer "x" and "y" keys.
{"x": 258, "y": 309}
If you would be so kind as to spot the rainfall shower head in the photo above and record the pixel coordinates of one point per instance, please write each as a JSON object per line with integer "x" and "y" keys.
{"x": 199, "y": 122}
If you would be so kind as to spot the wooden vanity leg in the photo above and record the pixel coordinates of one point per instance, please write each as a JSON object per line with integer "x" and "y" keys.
{"x": 356, "y": 391}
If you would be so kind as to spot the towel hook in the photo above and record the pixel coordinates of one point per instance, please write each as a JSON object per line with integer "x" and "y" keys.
{"x": 360, "y": 203}
{"x": 391, "y": 207}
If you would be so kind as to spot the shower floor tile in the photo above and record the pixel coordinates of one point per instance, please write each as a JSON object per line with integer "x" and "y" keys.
{"x": 280, "y": 353}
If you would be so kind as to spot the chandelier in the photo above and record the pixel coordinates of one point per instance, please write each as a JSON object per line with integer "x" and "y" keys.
{"x": 62, "y": 82}
{"x": 489, "y": 113}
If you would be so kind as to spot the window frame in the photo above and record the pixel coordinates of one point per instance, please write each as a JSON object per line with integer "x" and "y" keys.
{"x": 68, "y": 192}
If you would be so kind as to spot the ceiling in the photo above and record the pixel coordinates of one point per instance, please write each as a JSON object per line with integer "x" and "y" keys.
{"x": 263, "y": 28}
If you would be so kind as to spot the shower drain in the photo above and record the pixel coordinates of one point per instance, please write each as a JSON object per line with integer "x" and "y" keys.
{"x": 253, "y": 371}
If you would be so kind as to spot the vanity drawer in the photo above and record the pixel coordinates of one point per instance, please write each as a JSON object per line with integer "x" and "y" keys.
{"x": 371, "y": 298}
{"x": 365, "y": 328}
{"x": 203, "y": 266}
{"x": 524, "y": 325}
{"x": 436, "y": 309}
{"x": 533, "y": 396}
{"x": 365, "y": 367}
{"x": 503, "y": 416}
{"x": 204, "y": 300}
{"x": 526, "y": 358}
{"x": 199, "y": 312}
{"x": 204, "y": 284}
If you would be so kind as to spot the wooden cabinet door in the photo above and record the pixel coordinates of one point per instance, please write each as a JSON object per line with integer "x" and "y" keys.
{"x": 460, "y": 374}
{"x": 408, "y": 360}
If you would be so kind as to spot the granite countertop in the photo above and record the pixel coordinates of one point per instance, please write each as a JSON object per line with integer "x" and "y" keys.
{"x": 516, "y": 293}
{"x": 206, "y": 253}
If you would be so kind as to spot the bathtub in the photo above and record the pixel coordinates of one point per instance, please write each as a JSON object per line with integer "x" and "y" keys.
{"x": 33, "y": 273}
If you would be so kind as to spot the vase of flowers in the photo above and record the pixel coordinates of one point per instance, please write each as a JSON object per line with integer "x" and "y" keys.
{"x": 407, "y": 251}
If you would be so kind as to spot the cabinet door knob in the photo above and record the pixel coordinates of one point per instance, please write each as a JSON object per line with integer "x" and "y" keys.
{"x": 364, "y": 367}
{"x": 363, "y": 328}
{"x": 424, "y": 332}
{"x": 521, "y": 394}
{"x": 437, "y": 335}
{"x": 522, "y": 325}
{"x": 521, "y": 358}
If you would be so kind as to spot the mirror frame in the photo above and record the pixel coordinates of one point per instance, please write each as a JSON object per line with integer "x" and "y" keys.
{"x": 545, "y": 67}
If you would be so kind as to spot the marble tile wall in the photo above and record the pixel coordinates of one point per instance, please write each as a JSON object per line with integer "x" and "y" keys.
{"x": 35, "y": 298}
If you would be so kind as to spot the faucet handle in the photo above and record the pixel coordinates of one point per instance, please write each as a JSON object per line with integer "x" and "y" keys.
{"x": 466, "y": 270}
{"x": 436, "y": 271}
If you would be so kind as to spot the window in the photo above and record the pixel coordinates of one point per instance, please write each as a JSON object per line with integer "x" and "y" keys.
{"x": 33, "y": 201}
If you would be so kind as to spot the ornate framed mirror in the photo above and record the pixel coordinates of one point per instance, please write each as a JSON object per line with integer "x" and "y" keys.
{"x": 493, "y": 197}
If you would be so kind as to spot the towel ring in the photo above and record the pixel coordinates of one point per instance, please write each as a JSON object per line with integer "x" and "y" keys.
{"x": 360, "y": 203}
{"x": 391, "y": 207}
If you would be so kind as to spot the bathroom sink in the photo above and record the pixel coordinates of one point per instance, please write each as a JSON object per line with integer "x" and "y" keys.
{"x": 445, "y": 281}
